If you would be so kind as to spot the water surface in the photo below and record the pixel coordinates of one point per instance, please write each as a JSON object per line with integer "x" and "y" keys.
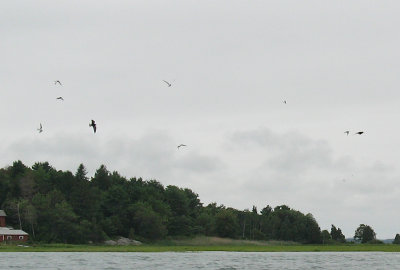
{"x": 199, "y": 260}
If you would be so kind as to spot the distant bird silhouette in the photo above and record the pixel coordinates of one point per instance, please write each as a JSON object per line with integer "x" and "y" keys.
{"x": 347, "y": 132}
{"x": 284, "y": 101}
{"x": 93, "y": 124}
{"x": 40, "y": 129}
{"x": 60, "y": 98}
{"x": 169, "y": 85}
{"x": 359, "y": 133}
{"x": 179, "y": 146}
{"x": 55, "y": 82}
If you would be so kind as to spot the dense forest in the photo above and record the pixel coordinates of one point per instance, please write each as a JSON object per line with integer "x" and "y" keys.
{"x": 59, "y": 206}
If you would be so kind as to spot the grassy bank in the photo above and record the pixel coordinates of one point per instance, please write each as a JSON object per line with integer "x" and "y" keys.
{"x": 156, "y": 248}
{"x": 204, "y": 244}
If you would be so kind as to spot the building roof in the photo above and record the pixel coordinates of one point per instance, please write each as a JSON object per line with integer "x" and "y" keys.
{"x": 2, "y": 213}
{"x": 8, "y": 231}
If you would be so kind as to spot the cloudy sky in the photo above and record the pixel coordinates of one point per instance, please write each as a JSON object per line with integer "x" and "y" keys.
{"x": 231, "y": 64}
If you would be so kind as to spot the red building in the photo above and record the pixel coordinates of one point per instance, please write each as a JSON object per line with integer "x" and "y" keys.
{"x": 9, "y": 234}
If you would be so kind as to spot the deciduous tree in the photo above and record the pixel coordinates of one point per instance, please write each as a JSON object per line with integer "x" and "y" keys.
{"x": 364, "y": 234}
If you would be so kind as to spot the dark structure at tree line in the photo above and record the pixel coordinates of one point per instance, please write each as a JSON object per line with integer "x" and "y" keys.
{"x": 59, "y": 206}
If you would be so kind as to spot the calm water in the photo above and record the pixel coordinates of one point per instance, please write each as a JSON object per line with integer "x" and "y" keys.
{"x": 200, "y": 260}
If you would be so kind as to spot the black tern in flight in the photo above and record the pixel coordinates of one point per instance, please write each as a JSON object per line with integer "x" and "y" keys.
{"x": 93, "y": 124}
{"x": 40, "y": 129}
{"x": 347, "y": 132}
{"x": 60, "y": 98}
{"x": 181, "y": 145}
{"x": 359, "y": 133}
{"x": 55, "y": 82}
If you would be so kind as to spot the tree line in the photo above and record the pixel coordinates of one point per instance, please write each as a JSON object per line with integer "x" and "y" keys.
{"x": 62, "y": 207}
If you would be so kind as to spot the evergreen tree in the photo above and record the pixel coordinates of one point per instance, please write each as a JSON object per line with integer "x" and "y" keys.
{"x": 81, "y": 173}
{"x": 397, "y": 239}
{"x": 102, "y": 179}
{"x": 337, "y": 235}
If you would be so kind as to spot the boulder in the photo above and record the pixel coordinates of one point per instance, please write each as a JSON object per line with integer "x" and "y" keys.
{"x": 110, "y": 242}
{"x": 122, "y": 241}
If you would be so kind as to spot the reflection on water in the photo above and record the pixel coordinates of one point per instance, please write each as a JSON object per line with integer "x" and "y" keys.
{"x": 199, "y": 260}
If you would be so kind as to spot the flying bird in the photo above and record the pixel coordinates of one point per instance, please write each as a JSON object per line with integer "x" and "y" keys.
{"x": 181, "y": 145}
{"x": 284, "y": 101}
{"x": 169, "y": 85}
{"x": 359, "y": 133}
{"x": 55, "y": 82}
{"x": 60, "y": 98}
{"x": 347, "y": 132}
{"x": 40, "y": 129}
{"x": 93, "y": 124}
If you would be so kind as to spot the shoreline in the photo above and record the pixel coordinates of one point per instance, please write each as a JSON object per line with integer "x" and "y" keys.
{"x": 186, "y": 248}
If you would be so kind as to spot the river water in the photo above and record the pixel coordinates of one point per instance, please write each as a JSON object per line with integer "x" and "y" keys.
{"x": 199, "y": 260}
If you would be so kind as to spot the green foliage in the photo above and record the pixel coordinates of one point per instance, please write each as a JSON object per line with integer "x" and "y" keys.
{"x": 59, "y": 206}
{"x": 206, "y": 222}
{"x": 226, "y": 223}
{"x": 396, "y": 240}
{"x": 283, "y": 223}
{"x": 326, "y": 237}
{"x": 266, "y": 210}
{"x": 132, "y": 233}
{"x": 337, "y": 235}
{"x": 4, "y": 186}
{"x": 18, "y": 168}
{"x": 102, "y": 179}
{"x": 375, "y": 242}
{"x": 225, "y": 245}
{"x": 364, "y": 234}
{"x": 148, "y": 224}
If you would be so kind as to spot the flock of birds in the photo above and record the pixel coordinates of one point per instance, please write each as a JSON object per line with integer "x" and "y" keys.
{"x": 347, "y": 131}
{"x": 92, "y": 123}
{"x": 357, "y": 133}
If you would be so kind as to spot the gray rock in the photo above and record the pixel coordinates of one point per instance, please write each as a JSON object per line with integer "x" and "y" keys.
{"x": 135, "y": 243}
{"x": 110, "y": 242}
{"x": 122, "y": 241}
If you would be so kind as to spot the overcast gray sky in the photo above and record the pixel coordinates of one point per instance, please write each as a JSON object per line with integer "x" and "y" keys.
{"x": 231, "y": 64}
